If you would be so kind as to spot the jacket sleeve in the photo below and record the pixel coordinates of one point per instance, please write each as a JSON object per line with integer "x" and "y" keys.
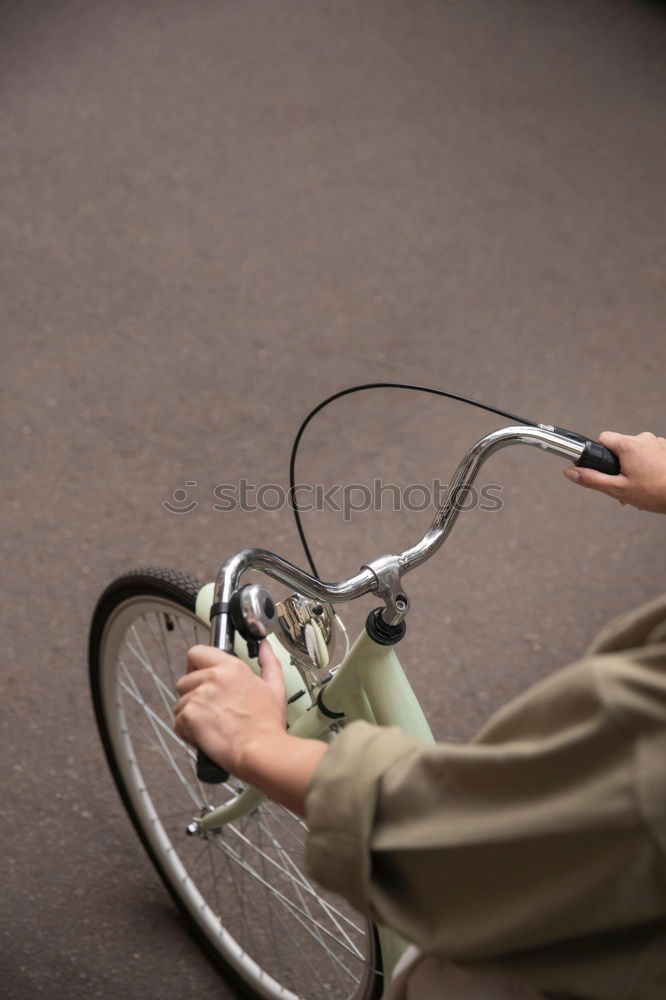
{"x": 548, "y": 826}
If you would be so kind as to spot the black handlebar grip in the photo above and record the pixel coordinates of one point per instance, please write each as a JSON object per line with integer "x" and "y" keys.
{"x": 209, "y": 771}
{"x": 596, "y": 456}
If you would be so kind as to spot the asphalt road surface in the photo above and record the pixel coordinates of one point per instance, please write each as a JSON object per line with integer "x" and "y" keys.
{"x": 213, "y": 215}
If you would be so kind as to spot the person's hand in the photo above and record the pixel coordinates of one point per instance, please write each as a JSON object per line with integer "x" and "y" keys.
{"x": 238, "y": 719}
{"x": 642, "y": 481}
{"x": 224, "y": 707}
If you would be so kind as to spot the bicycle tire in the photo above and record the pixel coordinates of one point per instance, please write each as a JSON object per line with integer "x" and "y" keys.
{"x": 242, "y": 892}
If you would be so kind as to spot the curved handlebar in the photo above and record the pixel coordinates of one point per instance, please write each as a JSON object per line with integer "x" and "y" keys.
{"x": 560, "y": 442}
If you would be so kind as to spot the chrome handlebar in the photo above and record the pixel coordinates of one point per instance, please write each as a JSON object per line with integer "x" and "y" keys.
{"x": 543, "y": 436}
{"x": 384, "y": 575}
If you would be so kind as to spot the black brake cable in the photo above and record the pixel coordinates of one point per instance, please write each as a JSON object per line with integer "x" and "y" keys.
{"x": 361, "y": 388}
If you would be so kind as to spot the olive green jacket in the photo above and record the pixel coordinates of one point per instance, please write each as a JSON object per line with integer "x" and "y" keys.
{"x": 539, "y": 849}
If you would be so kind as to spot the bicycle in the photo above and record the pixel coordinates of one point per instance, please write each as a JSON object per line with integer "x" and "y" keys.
{"x": 232, "y": 860}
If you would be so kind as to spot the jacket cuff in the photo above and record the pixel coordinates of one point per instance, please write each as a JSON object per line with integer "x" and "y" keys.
{"x": 340, "y": 803}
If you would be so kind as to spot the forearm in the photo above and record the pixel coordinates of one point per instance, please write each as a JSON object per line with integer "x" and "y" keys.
{"x": 281, "y": 766}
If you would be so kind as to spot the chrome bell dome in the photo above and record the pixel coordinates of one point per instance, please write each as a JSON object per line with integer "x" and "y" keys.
{"x": 306, "y": 628}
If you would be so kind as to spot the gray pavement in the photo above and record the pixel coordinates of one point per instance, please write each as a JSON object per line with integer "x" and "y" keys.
{"x": 214, "y": 214}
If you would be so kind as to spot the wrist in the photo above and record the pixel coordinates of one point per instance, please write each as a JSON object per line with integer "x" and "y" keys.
{"x": 259, "y": 754}
{"x": 281, "y": 766}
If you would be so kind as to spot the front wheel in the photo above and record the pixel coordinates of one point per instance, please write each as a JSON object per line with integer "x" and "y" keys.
{"x": 243, "y": 890}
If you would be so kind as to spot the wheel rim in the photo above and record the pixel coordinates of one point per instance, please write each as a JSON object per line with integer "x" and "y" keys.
{"x": 277, "y": 930}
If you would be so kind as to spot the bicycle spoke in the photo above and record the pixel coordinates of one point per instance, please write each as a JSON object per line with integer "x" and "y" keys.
{"x": 153, "y": 718}
{"x": 287, "y": 903}
{"x": 301, "y": 882}
{"x": 186, "y": 640}
{"x": 142, "y": 657}
{"x": 136, "y": 696}
{"x": 162, "y": 644}
{"x": 289, "y": 906}
{"x": 192, "y": 755}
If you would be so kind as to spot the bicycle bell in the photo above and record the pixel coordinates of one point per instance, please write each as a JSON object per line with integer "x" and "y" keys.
{"x": 252, "y": 613}
{"x": 306, "y": 628}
